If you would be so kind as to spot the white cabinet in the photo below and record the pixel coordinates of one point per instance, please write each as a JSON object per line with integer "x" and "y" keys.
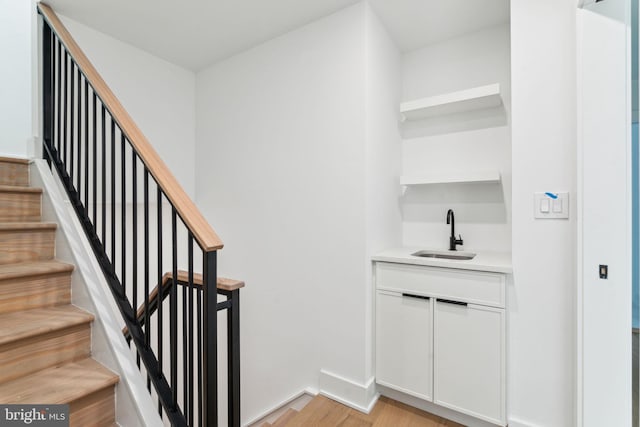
{"x": 468, "y": 359}
{"x": 440, "y": 336}
{"x": 401, "y": 335}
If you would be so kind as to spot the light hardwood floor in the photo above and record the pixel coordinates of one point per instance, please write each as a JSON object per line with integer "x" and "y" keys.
{"x": 324, "y": 412}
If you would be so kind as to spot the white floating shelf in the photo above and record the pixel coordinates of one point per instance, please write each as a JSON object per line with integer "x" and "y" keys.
{"x": 455, "y": 102}
{"x": 451, "y": 178}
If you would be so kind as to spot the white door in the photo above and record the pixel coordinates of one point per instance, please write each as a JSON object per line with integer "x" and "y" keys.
{"x": 604, "y": 215}
{"x": 404, "y": 340}
{"x": 469, "y": 359}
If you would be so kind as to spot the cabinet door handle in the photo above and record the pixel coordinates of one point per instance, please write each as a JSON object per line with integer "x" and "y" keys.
{"x": 415, "y": 296}
{"x": 448, "y": 301}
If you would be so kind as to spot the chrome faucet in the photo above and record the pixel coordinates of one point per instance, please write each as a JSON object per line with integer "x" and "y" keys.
{"x": 453, "y": 242}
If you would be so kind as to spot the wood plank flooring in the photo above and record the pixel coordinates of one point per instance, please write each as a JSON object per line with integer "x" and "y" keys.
{"x": 324, "y": 412}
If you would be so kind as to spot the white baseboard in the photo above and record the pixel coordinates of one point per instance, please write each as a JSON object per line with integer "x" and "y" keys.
{"x": 361, "y": 397}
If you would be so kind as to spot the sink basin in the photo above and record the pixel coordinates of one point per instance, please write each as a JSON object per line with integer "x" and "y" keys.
{"x": 445, "y": 254}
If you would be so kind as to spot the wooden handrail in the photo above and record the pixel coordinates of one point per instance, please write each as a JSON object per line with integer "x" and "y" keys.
{"x": 195, "y": 222}
{"x": 183, "y": 278}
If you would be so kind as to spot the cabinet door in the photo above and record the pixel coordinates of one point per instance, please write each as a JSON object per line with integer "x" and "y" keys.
{"x": 469, "y": 359}
{"x": 404, "y": 343}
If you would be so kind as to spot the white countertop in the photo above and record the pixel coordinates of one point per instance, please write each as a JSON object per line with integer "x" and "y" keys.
{"x": 499, "y": 262}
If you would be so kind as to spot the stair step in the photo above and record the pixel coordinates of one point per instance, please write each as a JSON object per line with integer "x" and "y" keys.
{"x": 14, "y": 171}
{"x": 40, "y": 338}
{"x": 20, "y": 204}
{"x": 86, "y": 385}
{"x": 26, "y": 241}
{"x": 29, "y": 285}
{"x": 285, "y": 418}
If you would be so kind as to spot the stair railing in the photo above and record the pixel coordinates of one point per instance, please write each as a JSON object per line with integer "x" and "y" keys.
{"x": 141, "y": 224}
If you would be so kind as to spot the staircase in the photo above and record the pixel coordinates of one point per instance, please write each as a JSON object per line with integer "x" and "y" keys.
{"x": 45, "y": 342}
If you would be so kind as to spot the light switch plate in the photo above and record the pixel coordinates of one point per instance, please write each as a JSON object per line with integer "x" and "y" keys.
{"x": 558, "y": 202}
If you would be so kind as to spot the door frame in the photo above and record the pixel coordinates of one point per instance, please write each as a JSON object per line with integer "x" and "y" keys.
{"x": 595, "y": 325}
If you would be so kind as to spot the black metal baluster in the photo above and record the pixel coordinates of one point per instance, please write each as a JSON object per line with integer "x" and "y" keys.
{"x": 173, "y": 309}
{"x": 55, "y": 81}
{"x": 189, "y": 412}
{"x": 199, "y": 355}
{"x": 72, "y": 113}
{"x": 47, "y": 96}
{"x": 79, "y": 130}
{"x": 147, "y": 277}
{"x": 113, "y": 194}
{"x": 63, "y": 156}
{"x": 134, "y": 232}
{"x": 160, "y": 275}
{"x": 94, "y": 130}
{"x": 160, "y": 285}
{"x": 59, "y": 109}
{"x": 123, "y": 198}
{"x": 86, "y": 145}
{"x": 185, "y": 364}
{"x": 210, "y": 344}
{"x": 146, "y": 254}
{"x": 104, "y": 179}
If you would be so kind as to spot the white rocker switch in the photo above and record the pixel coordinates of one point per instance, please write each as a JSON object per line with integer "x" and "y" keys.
{"x": 551, "y": 205}
{"x": 544, "y": 205}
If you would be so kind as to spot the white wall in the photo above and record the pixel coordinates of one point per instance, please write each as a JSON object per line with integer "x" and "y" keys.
{"x": 158, "y": 95}
{"x": 280, "y": 142}
{"x": 542, "y": 311}
{"x": 289, "y": 137}
{"x": 16, "y": 37}
{"x": 383, "y": 146}
{"x": 477, "y": 141}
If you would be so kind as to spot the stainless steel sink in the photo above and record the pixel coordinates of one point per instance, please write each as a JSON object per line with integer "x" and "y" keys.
{"x": 445, "y": 254}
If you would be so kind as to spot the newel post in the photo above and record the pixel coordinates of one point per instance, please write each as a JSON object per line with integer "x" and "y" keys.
{"x": 210, "y": 340}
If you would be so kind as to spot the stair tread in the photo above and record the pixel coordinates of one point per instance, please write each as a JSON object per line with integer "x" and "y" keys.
{"x": 23, "y": 324}
{"x": 33, "y": 268}
{"x": 19, "y": 189}
{"x": 58, "y": 385}
{"x": 16, "y": 226}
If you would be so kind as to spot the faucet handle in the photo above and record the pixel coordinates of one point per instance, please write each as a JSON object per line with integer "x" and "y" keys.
{"x": 459, "y": 241}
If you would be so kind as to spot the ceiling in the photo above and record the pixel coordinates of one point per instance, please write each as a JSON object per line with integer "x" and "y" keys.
{"x": 415, "y": 23}
{"x": 197, "y": 33}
